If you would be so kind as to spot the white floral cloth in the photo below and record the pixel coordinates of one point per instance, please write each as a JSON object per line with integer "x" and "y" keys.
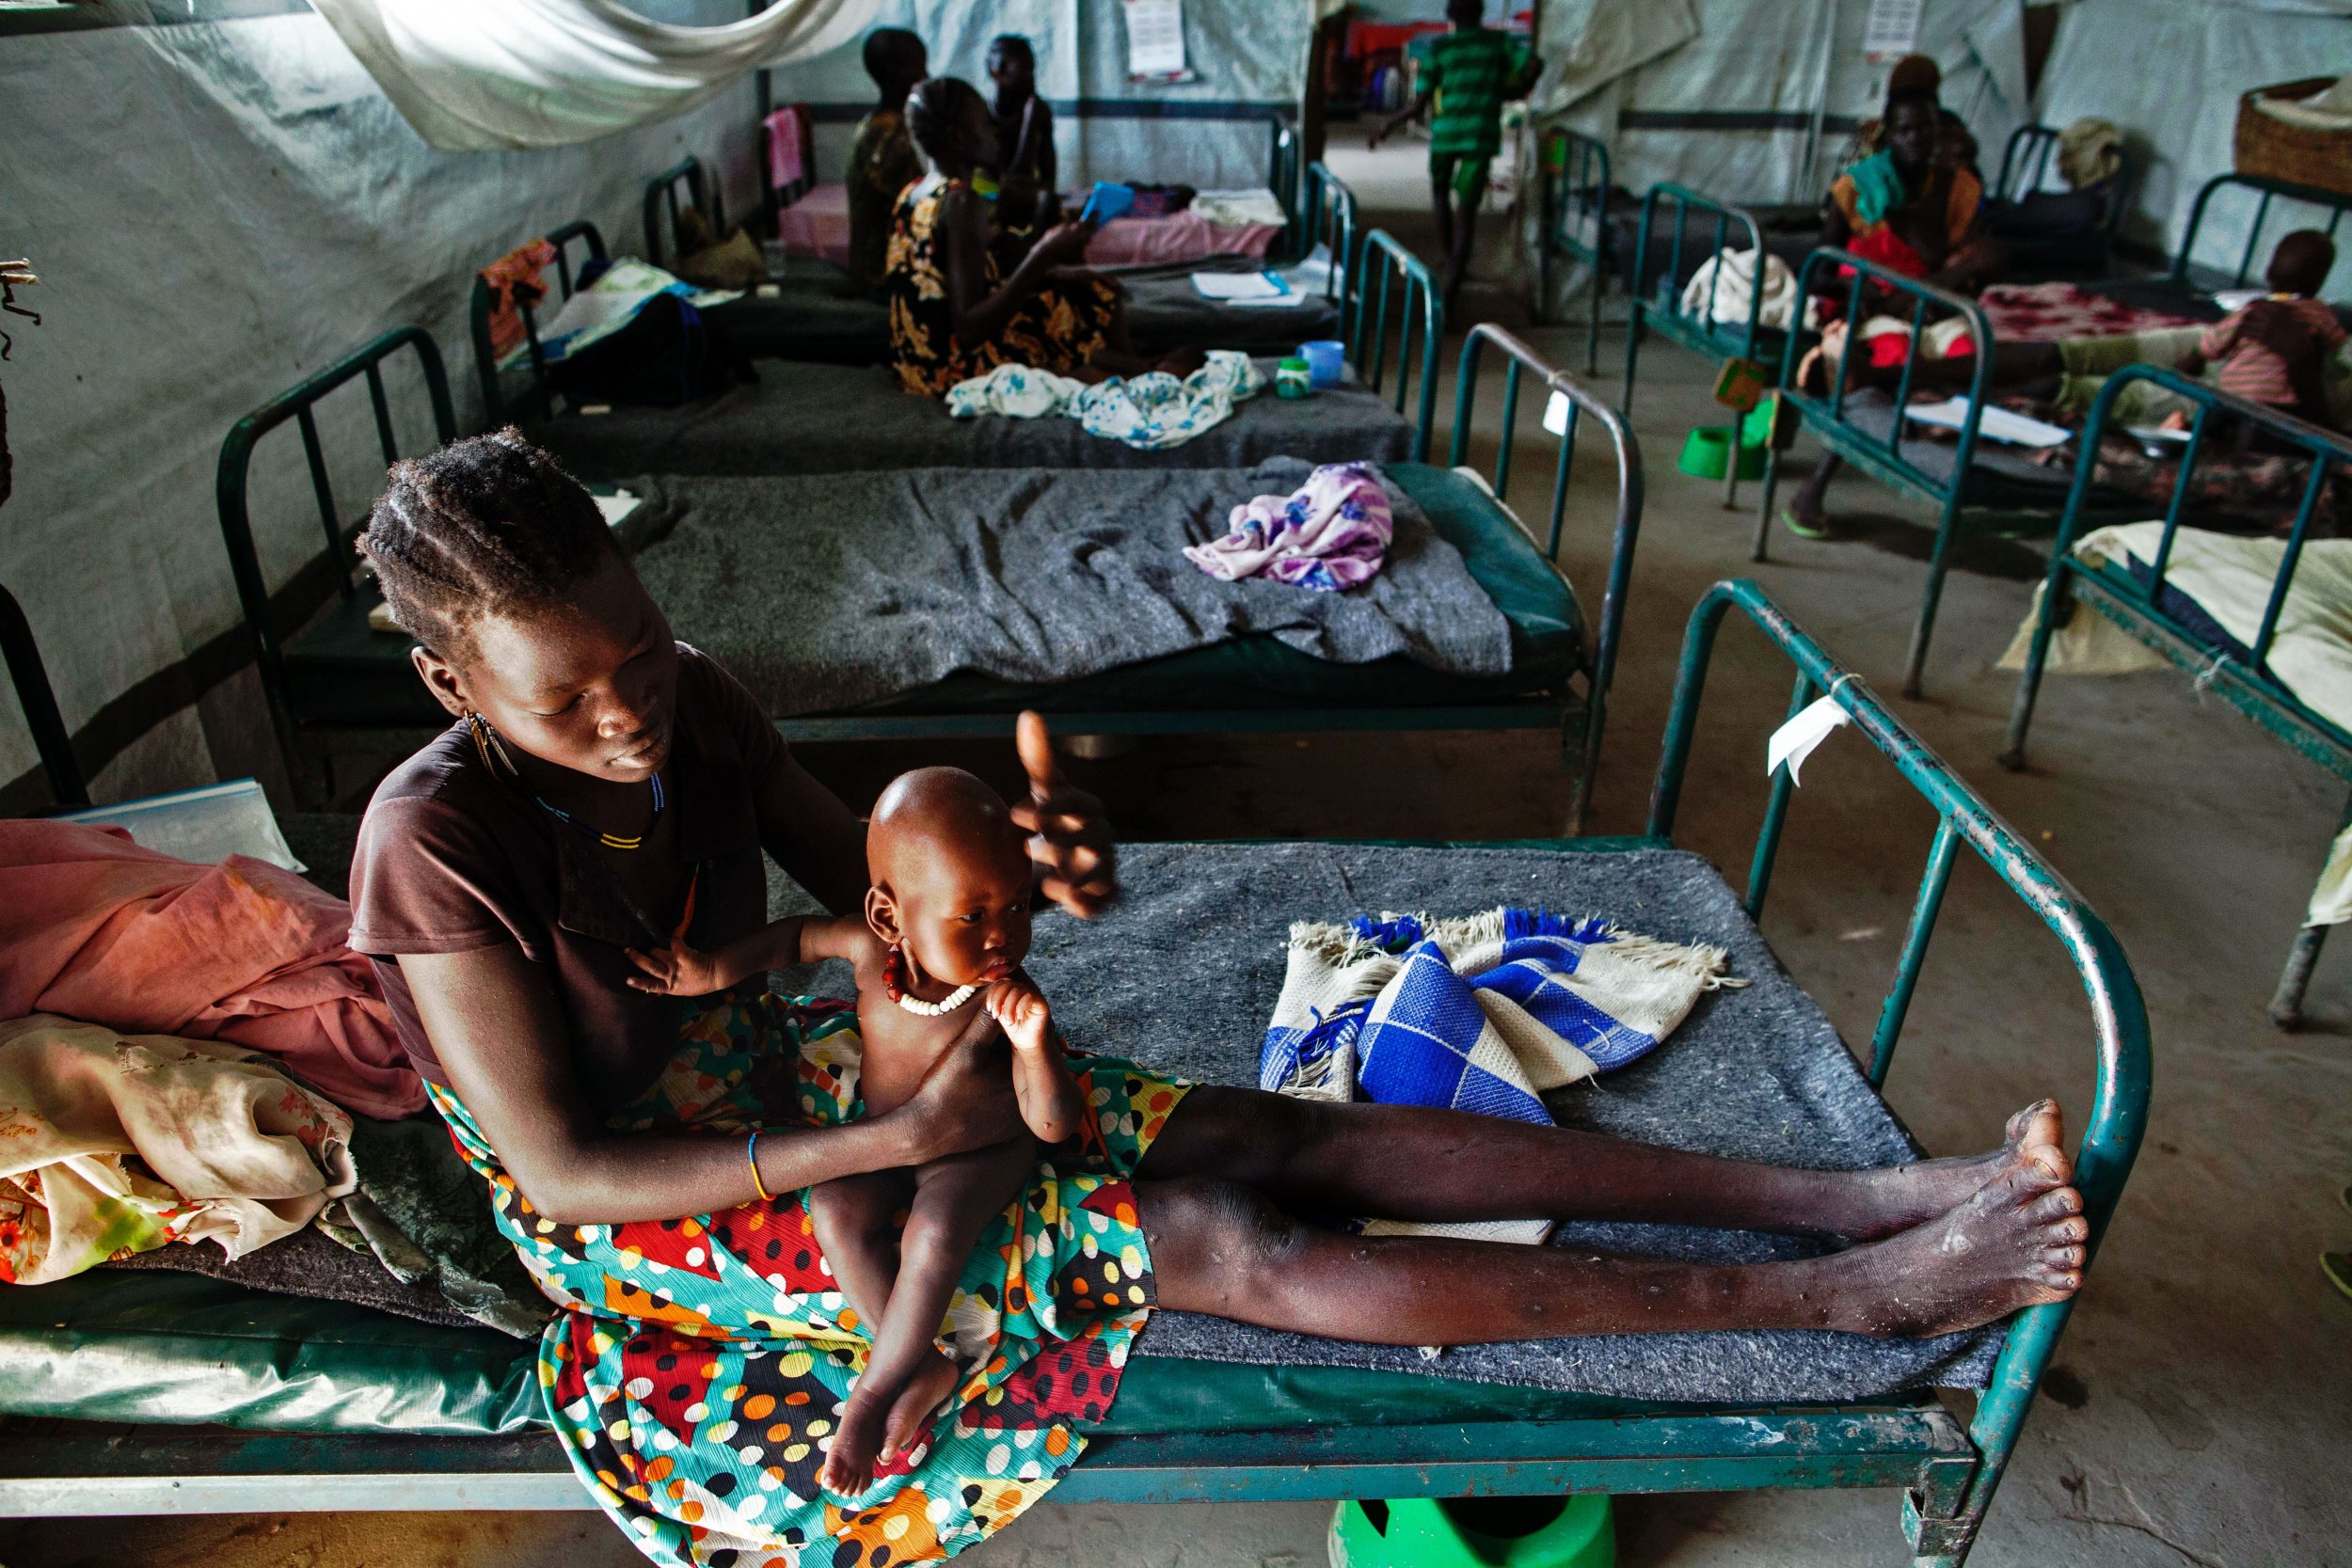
{"x": 1150, "y": 412}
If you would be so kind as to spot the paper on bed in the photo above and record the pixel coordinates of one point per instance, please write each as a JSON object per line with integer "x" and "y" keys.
{"x": 1236, "y": 287}
{"x": 827, "y": 592}
{"x": 1998, "y": 424}
{"x": 206, "y": 825}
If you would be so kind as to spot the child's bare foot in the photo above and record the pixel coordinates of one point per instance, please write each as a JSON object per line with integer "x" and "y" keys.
{"x": 848, "y": 1469}
{"x": 1913, "y": 1195}
{"x": 2018, "y": 1240}
{"x": 911, "y": 1412}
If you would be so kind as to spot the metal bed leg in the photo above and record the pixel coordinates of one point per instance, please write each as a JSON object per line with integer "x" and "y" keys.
{"x": 1732, "y": 464}
{"x": 1592, "y": 330}
{"x": 1764, "y": 509}
{"x": 1931, "y": 597}
{"x": 1633, "y": 353}
{"x": 2286, "y": 1003}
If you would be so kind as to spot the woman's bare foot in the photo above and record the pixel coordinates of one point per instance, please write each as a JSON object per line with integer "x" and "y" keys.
{"x": 2018, "y": 1240}
{"x": 911, "y": 1412}
{"x": 875, "y": 1424}
{"x": 1905, "y": 1196}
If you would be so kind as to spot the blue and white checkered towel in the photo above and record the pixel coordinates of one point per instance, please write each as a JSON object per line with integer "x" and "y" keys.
{"x": 1479, "y": 1013}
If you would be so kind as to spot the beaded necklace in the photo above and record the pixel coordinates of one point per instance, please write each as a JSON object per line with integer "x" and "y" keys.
{"x": 486, "y": 743}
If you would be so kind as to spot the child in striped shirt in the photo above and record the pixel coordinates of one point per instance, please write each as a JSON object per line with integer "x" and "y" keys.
{"x": 2274, "y": 351}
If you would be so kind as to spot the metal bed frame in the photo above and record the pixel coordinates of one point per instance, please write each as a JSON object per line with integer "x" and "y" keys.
{"x": 1384, "y": 257}
{"x": 52, "y": 741}
{"x": 2026, "y": 157}
{"x": 2337, "y": 202}
{"x": 1660, "y": 307}
{"x": 1948, "y": 1468}
{"x": 1575, "y": 186}
{"x": 662, "y": 199}
{"x": 494, "y": 406}
{"x": 1880, "y": 457}
{"x": 1326, "y": 215}
{"x": 261, "y": 618}
{"x": 2244, "y": 680}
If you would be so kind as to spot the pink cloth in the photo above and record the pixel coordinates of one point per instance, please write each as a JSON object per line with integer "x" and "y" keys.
{"x": 94, "y": 927}
{"x": 817, "y": 223}
{"x": 787, "y": 147}
{"x": 1330, "y": 535}
{"x": 1181, "y": 237}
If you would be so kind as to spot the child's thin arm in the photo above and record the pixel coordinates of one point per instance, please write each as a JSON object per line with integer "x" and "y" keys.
{"x": 1048, "y": 1093}
{"x": 680, "y": 970}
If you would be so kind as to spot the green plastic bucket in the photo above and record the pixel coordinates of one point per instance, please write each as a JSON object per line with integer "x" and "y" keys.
{"x": 1702, "y": 453}
{"x": 1477, "y": 1532}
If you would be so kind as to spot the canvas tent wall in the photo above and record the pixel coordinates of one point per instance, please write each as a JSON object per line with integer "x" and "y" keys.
{"x": 1249, "y": 59}
{"x": 1725, "y": 95}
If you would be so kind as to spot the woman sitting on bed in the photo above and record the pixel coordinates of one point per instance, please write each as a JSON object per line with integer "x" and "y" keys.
{"x": 1915, "y": 208}
{"x": 955, "y": 312}
{"x": 604, "y": 790}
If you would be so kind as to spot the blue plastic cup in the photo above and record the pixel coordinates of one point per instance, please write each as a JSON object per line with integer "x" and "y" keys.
{"x": 1327, "y": 361}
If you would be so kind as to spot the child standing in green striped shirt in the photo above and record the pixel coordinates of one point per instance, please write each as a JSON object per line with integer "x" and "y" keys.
{"x": 1466, "y": 74}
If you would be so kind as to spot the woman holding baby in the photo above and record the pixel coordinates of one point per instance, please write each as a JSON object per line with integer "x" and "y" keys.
{"x": 535, "y": 887}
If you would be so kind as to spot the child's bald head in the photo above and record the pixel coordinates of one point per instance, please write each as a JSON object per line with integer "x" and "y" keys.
{"x": 950, "y": 875}
{"x": 2301, "y": 264}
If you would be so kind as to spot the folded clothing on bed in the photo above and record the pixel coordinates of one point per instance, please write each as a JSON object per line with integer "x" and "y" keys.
{"x": 1149, "y": 412}
{"x": 1330, "y": 535}
{"x": 826, "y": 593}
{"x": 113, "y": 1144}
{"x": 92, "y": 926}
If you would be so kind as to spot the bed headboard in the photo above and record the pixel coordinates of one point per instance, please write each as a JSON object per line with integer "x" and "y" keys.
{"x": 1327, "y": 216}
{"x": 494, "y": 403}
{"x": 661, "y": 192}
{"x": 39, "y": 700}
{"x": 1384, "y": 261}
{"x": 1733, "y": 228}
{"x": 262, "y": 616}
{"x": 2025, "y": 167}
{"x": 2269, "y": 190}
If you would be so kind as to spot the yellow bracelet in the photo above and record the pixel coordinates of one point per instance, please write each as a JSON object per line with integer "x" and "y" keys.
{"x": 751, "y": 1158}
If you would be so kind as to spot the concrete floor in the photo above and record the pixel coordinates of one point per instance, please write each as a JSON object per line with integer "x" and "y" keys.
{"x": 2196, "y": 1413}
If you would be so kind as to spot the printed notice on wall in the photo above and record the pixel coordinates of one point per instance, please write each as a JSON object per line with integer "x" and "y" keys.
{"x": 1893, "y": 30}
{"x": 1155, "y": 41}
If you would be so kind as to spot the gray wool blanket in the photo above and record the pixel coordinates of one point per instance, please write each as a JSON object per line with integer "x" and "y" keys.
{"x": 825, "y": 593}
{"x": 1183, "y": 972}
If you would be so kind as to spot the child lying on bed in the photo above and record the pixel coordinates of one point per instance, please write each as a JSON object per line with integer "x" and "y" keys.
{"x": 946, "y": 921}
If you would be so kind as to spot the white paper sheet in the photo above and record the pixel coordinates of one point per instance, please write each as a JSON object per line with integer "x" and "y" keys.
{"x": 206, "y": 825}
{"x": 1892, "y": 30}
{"x": 1240, "y": 287}
{"x": 1998, "y": 424}
{"x": 1155, "y": 38}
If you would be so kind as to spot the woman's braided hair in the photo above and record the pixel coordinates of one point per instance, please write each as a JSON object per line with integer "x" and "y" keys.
{"x": 486, "y": 525}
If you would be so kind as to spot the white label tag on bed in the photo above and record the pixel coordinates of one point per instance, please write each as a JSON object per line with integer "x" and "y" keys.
{"x": 1794, "y": 741}
{"x": 1556, "y": 414}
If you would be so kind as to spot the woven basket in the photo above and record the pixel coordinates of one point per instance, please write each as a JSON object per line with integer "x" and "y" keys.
{"x": 2276, "y": 150}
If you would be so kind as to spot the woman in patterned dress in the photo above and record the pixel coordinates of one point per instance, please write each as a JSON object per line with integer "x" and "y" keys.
{"x": 954, "y": 313}
{"x": 603, "y": 788}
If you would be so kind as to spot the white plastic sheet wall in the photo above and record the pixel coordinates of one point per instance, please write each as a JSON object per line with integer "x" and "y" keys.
{"x": 1242, "y": 52}
{"x": 216, "y": 211}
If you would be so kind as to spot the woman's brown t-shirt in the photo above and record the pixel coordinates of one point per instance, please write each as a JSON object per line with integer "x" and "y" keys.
{"x": 455, "y": 855}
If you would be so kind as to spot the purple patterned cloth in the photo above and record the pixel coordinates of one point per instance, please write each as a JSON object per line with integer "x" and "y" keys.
{"x": 1330, "y": 536}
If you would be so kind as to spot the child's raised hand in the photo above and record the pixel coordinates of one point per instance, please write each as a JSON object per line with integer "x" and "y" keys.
{"x": 1019, "y": 1007}
{"x": 678, "y": 969}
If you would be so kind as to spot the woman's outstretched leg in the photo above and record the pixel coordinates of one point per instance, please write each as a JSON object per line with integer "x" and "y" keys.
{"x": 1409, "y": 1163}
{"x": 1223, "y": 1249}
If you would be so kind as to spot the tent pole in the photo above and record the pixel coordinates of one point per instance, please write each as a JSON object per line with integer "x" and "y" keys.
{"x": 1811, "y": 165}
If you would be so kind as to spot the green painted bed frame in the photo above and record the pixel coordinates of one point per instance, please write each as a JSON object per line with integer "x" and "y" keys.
{"x": 1880, "y": 456}
{"x": 1659, "y": 306}
{"x": 1948, "y": 1468}
{"x": 2247, "y": 684}
{"x": 1574, "y": 192}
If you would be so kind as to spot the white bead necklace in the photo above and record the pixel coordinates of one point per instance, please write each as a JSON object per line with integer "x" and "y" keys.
{"x": 945, "y": 1005}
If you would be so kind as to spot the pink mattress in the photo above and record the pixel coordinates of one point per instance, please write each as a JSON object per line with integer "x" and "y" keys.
{"x": 817, "y": 223}
{"x": 1178, "y": 237}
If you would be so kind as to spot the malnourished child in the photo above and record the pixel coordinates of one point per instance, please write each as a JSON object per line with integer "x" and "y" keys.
{"x": 945, "y": 923}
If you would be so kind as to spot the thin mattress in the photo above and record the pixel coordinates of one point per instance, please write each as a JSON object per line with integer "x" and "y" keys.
{"x": 2000, "y": 475}
{"x": 339, "y": 671}
{"x": 1757, "y": 1072}
{"x": 812, "y": 316}
{"x": 803, "y": 419}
